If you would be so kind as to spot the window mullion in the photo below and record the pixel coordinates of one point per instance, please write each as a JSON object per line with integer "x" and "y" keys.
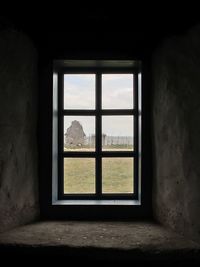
{"x": 136, "y": 133}
{"x": 98, "y": 135}
{"x": 60, "y": 135}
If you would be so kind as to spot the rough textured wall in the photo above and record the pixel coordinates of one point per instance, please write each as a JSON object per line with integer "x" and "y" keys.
{"x": 176, "y": 131}
{"x": 18, "y": 137}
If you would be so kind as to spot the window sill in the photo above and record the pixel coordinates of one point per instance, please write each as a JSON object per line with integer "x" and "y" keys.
{"x": 97, "y": 202}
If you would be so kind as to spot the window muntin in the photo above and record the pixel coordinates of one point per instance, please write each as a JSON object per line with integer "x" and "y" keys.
{"x": 97, "y": 121}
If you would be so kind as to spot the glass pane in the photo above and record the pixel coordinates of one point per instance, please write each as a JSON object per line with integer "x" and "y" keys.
{"x": 79, "y": 133}
{"x": 79, "y": 175}
{"x": 117, "y": 175}
{"x": 117, "y": 91}
{"x": 79, "y": 91}
{"x": 117, "y": 133}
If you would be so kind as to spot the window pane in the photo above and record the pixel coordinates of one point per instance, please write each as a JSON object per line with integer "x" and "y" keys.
{"x": 79, "y": 175}
{"x": 117, "y": 133}
{"x": 79, "y": 133}
{"x": 117, "y": 91}
{"x": 117, "y": 175}
{"x": 79, "y": 91}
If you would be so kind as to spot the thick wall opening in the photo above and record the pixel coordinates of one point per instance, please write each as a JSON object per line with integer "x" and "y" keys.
{"x": 175, "y": 127}
{"x": 18, "y": 130}
{"x": 176, "y": 132}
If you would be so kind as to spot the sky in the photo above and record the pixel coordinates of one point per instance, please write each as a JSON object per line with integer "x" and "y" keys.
{"x": 117, "y": 92}
{"x": 79, "y": 91}
{"x": 111, "y": 125}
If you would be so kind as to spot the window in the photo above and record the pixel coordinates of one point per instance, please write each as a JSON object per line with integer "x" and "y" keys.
{"x": 96, "y": 139}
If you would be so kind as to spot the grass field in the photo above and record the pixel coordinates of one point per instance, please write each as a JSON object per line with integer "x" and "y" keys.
{"x": 79, "y": 175}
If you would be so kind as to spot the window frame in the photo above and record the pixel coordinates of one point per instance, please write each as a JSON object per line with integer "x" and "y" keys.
{"x": 98, "y": 112}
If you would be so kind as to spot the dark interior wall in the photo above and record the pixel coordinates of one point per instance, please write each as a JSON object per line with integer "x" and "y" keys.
{"x": 82, "y": 35}
{"x": 176, "y": 132}
{"x": 18, "y": 130}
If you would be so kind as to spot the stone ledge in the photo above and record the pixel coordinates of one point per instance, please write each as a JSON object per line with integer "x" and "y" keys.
{"x": 115, "y": 241}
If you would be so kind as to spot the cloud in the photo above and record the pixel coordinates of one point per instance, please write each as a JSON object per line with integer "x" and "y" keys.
{"x": 116, "y": 77}
{"x": 79, "y": 91}
{"x": 117, "y": 91}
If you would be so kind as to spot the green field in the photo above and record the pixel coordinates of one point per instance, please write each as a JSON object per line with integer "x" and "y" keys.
{"x": 79, "y": 175}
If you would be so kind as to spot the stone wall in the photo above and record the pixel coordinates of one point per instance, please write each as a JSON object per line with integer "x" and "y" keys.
{"x": 18, "y": 130}
{"x": 176, "y": 133}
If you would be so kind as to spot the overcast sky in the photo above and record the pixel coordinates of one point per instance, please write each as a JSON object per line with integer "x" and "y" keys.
{"x": 79, "y": 91}
{"x": 111, "y": 125}
{"x": 117, "y": 92}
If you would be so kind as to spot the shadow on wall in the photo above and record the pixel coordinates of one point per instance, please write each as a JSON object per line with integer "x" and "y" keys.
{"x": 176, "y": 131}
{"x": 18, "y": 129}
